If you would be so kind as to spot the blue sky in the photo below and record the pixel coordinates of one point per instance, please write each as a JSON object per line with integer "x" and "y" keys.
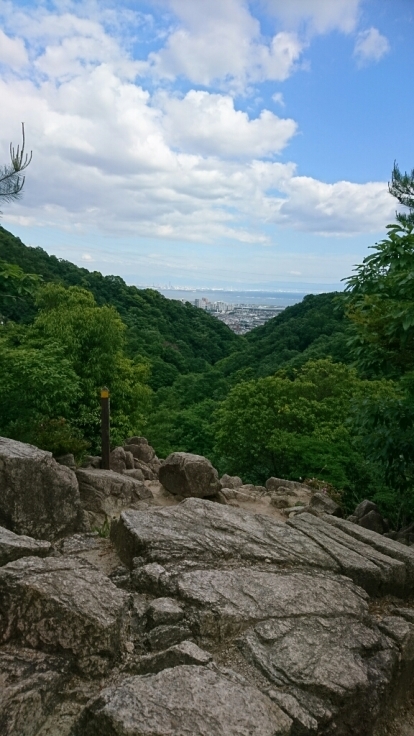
{"x": 224, "y": 143}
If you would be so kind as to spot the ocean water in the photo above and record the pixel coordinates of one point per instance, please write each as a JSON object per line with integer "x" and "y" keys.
{"x": 265, "y": 298}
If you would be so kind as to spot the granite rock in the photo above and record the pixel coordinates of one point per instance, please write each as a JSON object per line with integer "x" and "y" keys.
{"x": 38, "y": 496}
{"x": 183, "y": 700}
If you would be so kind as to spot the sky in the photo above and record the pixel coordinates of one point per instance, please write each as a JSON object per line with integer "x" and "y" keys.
{"x": 208, "y": 143}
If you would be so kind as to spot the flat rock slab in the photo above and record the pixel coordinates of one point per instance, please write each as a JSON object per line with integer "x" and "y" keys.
{"x": 225, "y": 601}
{"x": 182, "y": 701}
{"x": 346, "y": 664}
{"x": 104, "y": 494}
{"x": 38, "y": 496}
{"x": 13, "y": 546}
{"x": 29, "y": 685}
{"x": 368, "y": 566}
{"x": 388, "y": 547}
{"x": 203, "y": 531}
{"x": 61, "y": 605}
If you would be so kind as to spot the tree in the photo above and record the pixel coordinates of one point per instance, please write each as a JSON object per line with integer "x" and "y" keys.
{"x": 11, "y": 180}
{"x": 379, "y": 300}
{"x": 17, "y": 288}
{"x": 294, "y": 427}
{"x": 402, "y": 187}
{"x": 92, "y": 338}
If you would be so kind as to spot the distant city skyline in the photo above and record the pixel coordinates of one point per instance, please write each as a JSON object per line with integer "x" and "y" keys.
{"x": 229, "y": 143}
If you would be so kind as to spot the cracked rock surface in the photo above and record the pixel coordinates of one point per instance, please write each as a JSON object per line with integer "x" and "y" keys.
{"x": 204, "y": 619}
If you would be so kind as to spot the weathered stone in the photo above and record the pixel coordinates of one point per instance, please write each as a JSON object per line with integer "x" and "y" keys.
{"x": 233, "y": 494}
{"x": 224, "y": 601}
{"x": 364, "y": 508}
{"x": 30, "y": 684}
{"x": 67, "y": 460}
{"x": 163, "y": 637}
{"x": 145, "y": 469}
{"x": 374, "y": 571}
{"x": 230, "y": 481}
{"x": 345, "y": 662}
{"x": 164, "y": 611}
{"x": 150, "y": 578}
{"x": 63, "y": 605}
{"x": 372, "y": 520}
{"x": 13, "y": 546}
{"x": 188, "y": 475}
{"x": 183, "y": 700}
{"x": 252, "y": 490}
{"x": 117, "y": 460}
{"x": 38, "y": 496}
{"x": 92, "y": 461}
{"x": 303, "y": 723}
{"x": 140, "y": 449}
{"x": 199, "y": 530}
{"x": 104, "y": 494}
{"x": 273, "y": 484}
{"x": 280, "y": 502}
{"x": 321, "y": 502}
{"x": 388, "y": 547}
{"x": 187, "y": 652}
{"x": 129, "y": 460}
{"x": 135, "y": 473}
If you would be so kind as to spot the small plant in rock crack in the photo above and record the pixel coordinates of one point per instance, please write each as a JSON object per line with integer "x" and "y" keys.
{"x": 103, "y": 531}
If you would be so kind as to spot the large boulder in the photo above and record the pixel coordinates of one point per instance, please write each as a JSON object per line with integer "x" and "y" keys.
{"x": 339, "y": 664}
{"x": 140, "y": 449}
{"x": 204, "y": 532}
{"x": 30, "y": 683}
{"x": 13, "y": 546}
{"x": 62, "y": 605}
{"x": 104, "y": 494}
{"x": 185, "y": 474}
{"x": 38, "y": 496}
{"x": 183, "y": 700}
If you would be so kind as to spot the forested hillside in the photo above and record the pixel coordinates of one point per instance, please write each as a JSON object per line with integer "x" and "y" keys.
{"x": 176, "y": 337}
{"x": 325, "y": 390}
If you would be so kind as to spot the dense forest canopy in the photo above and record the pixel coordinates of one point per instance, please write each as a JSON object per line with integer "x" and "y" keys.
{"x": 324, "y": 390}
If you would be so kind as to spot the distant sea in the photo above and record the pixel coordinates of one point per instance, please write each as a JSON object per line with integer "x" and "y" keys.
{"x": 268, "y": 298}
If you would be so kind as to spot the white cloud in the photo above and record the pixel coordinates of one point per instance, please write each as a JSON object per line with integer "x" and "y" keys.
{"x": 12, "y": 51}
{"x": 321, "y": 16}
{"x": 105, "y": 152}
{"x": 338, "y": 209}
{"x": 220, "y": 42}
{"x": 370, "y": 46}
{"x": 208, "y": 124}
{"x": 278, "y": 98}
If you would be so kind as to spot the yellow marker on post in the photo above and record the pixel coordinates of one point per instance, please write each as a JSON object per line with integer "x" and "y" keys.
{"x": 105, "y": 428}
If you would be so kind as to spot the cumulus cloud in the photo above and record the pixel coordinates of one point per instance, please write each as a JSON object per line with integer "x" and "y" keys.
{"x": 370, "y": 45}
{"x": 12, "y": 51}
{"x": 220, "y": 42}
{"x": 112, "y": 156}
{"x": 208, "y": 124}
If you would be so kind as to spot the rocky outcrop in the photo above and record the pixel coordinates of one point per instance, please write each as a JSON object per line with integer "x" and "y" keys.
{"x": 202, "y": 531}
{"x": 38, "y": 497}
{"x": 184, "y": 700}
{"x": 13, "y": 546}
{"x": 104, "y": 494}
{"x": 367, "y": 514}
{"x": 204, "y": 619}
{"x": 187, "y": 475}
{"x": 30, "y": 685}
{"x": 62, "y": 605}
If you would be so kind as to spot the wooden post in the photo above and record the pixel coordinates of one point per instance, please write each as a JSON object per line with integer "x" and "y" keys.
{"x": 105, "y": 431}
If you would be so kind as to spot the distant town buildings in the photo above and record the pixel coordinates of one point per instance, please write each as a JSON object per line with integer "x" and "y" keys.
{"x": 239, "y": 317}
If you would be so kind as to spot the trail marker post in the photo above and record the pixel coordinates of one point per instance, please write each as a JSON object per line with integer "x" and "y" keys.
{"x": 105, "y": 429}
